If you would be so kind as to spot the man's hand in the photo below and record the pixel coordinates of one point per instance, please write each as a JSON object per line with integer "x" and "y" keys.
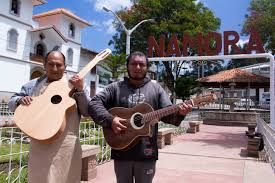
{"x": 117, "y": 126}
{"x": 184, "y": 109}
{"x": 77, "y": 83}
{"x": 25, "y": 100}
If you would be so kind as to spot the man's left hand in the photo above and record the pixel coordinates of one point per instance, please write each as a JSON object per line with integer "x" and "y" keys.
{"x": 77, "y": 82}
{"x": 184, "y": 109}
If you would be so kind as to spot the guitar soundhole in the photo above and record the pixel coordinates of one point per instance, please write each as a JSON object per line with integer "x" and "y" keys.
{"x": 56, "y": 99}
{"x": 138, "y": 120}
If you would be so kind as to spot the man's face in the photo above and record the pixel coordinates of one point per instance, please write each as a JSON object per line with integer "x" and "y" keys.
{"x": 137, "y": 67}
{"x": 54, "y": 66}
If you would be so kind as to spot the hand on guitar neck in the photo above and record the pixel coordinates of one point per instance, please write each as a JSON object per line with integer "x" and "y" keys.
{"x": 185, "y": 108}
{"x": 119, "y": 124}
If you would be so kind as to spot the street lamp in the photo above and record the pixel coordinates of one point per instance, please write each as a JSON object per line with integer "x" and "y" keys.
{"x": 128, "y": 32}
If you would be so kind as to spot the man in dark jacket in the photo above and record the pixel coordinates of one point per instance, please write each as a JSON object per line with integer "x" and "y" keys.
{"x": 138, "y": 162}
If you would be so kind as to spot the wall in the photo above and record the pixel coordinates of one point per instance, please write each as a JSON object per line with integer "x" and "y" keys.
{"x": 13, "y": 74}
{"x": 25, "y": 14}
{"x": 23, "y": 40}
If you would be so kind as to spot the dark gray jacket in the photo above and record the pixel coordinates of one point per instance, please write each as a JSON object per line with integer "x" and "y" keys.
{"x": 122, "y": 94}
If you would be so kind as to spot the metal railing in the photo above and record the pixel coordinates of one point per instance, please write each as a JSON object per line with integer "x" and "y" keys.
{"x": 269, "y": 140}
{"x": 14, "y": 145}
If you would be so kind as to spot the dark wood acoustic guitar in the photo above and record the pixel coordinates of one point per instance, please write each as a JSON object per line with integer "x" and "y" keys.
{"x": 141, "y": 118}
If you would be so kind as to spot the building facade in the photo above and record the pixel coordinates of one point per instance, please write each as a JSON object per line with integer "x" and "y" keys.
{"x": 26, "y": 39}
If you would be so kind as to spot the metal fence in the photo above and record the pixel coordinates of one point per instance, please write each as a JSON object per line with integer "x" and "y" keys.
{"x": 14, "y": 145}
{"x": 269, "y": 140}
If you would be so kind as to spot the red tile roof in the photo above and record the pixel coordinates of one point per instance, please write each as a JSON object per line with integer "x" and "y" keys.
{"x": 234, "y": 75}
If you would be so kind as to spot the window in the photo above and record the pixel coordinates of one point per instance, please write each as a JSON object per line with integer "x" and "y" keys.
{"x": 12, "y": 39}
{"x": 15, "y": 7}
{"x": 40, "y": 50}
{"x": 71, "y": 30}
{"x": 70, "y": 56}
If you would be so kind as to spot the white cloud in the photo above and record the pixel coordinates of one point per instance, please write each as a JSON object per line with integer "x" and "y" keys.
{"x": 242, "y": 42}
{"x": 113, "y": 5}
{"x": 197, "y": 1}
{"x": 109, "y": 27}
{"x": 106, "y": 26}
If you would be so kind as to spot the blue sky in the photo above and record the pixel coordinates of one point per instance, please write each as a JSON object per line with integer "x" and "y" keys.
{"x": 96, "y": 37}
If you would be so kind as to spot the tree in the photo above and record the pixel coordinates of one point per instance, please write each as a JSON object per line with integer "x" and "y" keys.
{"x": 235, "y": 63}
{"x": 171, "y": 16}
{"x": 186, "y": 86}
{"x": 116, "y": 63}
{"x": 261, "y": 18}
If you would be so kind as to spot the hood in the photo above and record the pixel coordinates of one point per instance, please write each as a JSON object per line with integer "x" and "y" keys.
{"x": 145, "y": 80}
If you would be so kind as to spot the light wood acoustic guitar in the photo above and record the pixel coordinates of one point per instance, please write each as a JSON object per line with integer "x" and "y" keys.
{"x": 141, "y": 118}
{"x": 44, "y": 119}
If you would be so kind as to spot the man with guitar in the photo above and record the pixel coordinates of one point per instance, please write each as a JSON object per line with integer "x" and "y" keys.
{"x": 138, "y": 161}
{"x": 60, "y": 160}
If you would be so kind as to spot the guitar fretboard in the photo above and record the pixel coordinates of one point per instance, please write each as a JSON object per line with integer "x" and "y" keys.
{"x": 158, "y": 114}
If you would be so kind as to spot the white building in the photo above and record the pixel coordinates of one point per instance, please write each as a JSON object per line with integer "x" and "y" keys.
{"x": 262, "y": 69}
{"x": 25, "y": 40}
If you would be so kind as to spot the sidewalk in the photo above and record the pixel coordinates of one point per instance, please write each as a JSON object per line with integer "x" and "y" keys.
{"x": 216, "y": 154}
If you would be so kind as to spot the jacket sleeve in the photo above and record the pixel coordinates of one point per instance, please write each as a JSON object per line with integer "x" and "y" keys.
{"x": 13, "y": 102}
{"x": 82, "y": 100}
{"x": 99, "y": 105}
{"x": 164, "y": 101}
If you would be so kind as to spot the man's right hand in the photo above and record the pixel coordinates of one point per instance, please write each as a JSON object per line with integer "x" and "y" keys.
{"x": 25, "y": 100}
{"x": 117, "y": 126}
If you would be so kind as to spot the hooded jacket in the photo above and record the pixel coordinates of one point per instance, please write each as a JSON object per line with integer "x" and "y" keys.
{"x": 123, "y": 94}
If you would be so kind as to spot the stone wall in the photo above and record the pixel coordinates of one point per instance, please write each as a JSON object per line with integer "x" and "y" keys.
{"x": 229, "y": 118}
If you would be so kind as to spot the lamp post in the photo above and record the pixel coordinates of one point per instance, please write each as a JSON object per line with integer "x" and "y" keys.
{"x": 128, "y": 32}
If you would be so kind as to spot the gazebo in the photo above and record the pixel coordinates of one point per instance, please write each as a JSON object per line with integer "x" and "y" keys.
{"x": 233, "y": 78}
{"x": 236, "y": 78}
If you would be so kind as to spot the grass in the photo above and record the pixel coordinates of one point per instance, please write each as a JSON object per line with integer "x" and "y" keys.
{"x": 93, "y": 136}
{"x": 14, "y": 175}
{"x": 5, "y": 152}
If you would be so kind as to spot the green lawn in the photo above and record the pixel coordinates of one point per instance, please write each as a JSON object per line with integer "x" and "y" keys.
{"x": 5, "y": 151}
{"x": 14, "y": 175}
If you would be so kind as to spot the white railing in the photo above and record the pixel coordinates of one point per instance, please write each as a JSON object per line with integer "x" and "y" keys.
{"x": 269, "y": 140}
{"x": 14, "y": 145}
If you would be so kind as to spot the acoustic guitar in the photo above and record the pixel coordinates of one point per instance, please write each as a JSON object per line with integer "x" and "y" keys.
{"x": 44, "y": 119}
{"x": 141, "y": 118}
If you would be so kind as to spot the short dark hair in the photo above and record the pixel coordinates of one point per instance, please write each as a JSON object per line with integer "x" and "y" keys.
{"x": 137, "y": 53}
{"x": 47, "y": 55}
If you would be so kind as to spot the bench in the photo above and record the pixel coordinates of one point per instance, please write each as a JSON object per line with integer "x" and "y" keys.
{"x": 165, "y": 137}
{"x": 194, "y": 126}
{"x": 89, "y": 163}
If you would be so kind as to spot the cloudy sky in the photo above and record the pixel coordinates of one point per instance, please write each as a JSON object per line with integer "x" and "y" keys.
{"x": 97, "y": 36}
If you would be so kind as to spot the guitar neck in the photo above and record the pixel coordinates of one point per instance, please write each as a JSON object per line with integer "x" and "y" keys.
{"x": 102, "y": 55}
{"x": 158, "y": 114}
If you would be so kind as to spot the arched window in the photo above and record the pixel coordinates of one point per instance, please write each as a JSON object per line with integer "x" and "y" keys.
{"x": 40, "y": 50}
{"x": 71, "y": 30}
{"x": 70, "y": 56}
{"x": 12, "y": 39}
{"x": 15, "y": 7}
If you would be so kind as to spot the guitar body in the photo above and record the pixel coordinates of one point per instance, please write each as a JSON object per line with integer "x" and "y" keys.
{"x": 44, "y": 119}
{"x": 131, "y": 135}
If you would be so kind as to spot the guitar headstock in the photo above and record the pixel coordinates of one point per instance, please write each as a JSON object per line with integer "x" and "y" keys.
{"x": 103, "y": 54}
{"x": 204, "y": 99}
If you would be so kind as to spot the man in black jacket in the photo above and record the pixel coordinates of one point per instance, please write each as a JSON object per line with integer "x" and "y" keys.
{"x": 138, "y": 162}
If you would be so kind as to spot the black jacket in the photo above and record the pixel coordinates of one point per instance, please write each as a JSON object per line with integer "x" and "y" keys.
{"x": 122, "y": 94}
